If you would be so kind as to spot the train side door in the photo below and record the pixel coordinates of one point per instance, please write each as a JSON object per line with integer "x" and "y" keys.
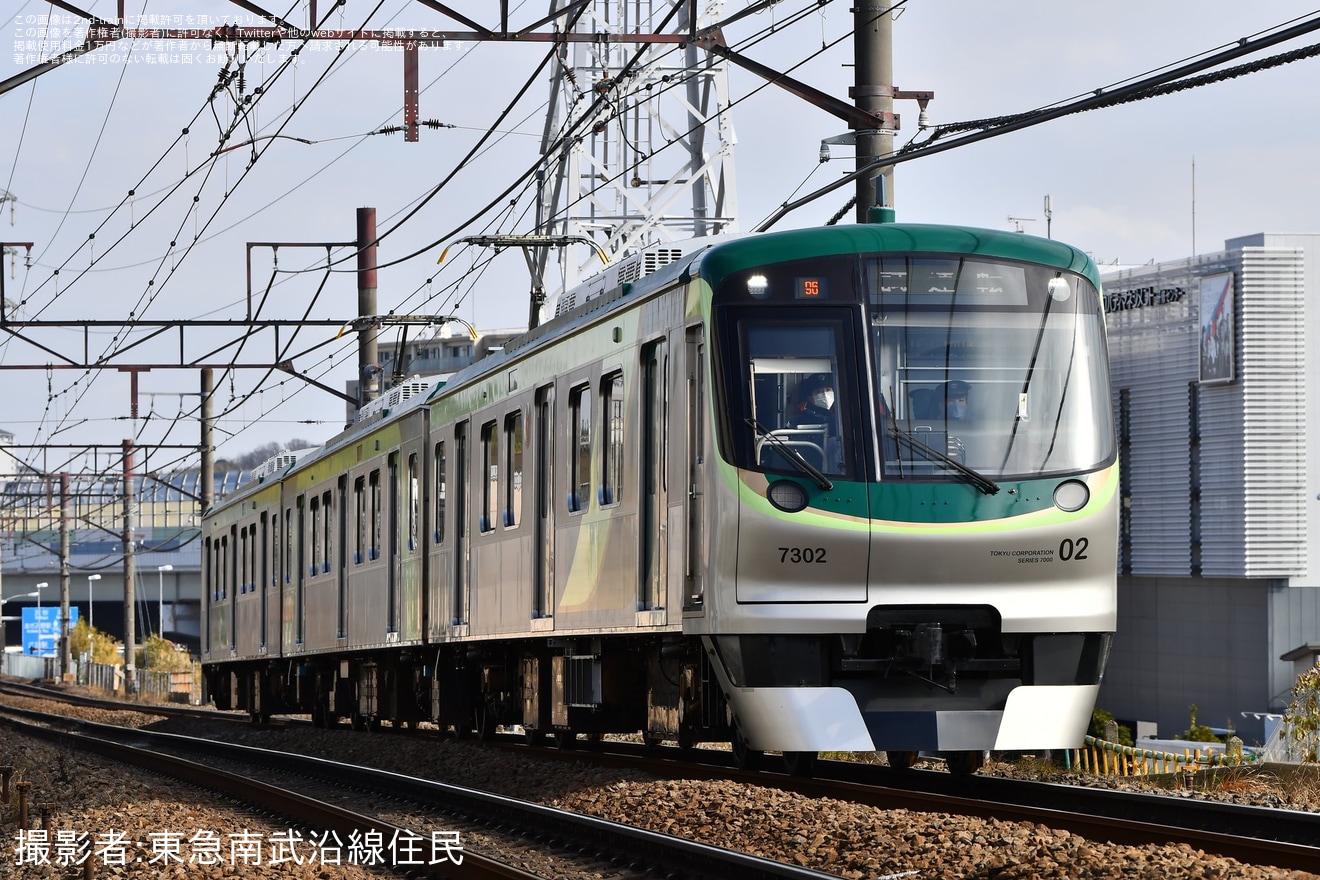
{"x": 694, "y": 587}
{"x": 653, "y": 532}
{"x": 341, "y": 559}
{"x": 461, "y": 528}
{"x": 392, "y": 561}
{"x": 543, "y": 574}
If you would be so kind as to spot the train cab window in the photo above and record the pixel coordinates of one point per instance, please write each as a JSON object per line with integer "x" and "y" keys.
{"x": 490, "y": 466}
{"x": 611, "y": 447}
{"x": 513, "y": 453}
{"x": 801, "y": 413}
{"x": 579, "y": 463}
{"x": 990, "y": 368}
{"x": 440, "y": 491}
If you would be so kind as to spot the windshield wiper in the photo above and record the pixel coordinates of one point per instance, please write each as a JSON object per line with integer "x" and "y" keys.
{"x": 792, "y": 455}
{"x": 977, "y": 479}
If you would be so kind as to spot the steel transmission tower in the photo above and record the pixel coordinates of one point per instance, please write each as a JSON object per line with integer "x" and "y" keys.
{"x": 638, "y": 145}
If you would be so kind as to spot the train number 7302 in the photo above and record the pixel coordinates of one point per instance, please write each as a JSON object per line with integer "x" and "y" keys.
{"x": 795, "y": 555}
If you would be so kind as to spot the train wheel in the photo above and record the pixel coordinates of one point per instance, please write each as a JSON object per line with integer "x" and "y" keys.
{"x": 652, "y": 741}
{"x": 532, "y": 736}
{"x": 902, "y": 760}
{"x": 799, "y": 763}
{"x": 565, "y": 739}
{"x": 483, "y": 722}
{"x": 964, "y": 763}
{"x": 744, "y": 756}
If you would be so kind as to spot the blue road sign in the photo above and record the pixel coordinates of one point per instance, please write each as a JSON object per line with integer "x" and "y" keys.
{"x": 41, "y": 629}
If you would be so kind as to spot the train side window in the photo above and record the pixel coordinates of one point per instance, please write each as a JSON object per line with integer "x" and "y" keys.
{"x": 374, "y": 523}
{"x": 412, "y": 501}
{"x": 513, "y": 453}
{"x": 224, "y": 566}
{"x": 251, "y": 560}
{"x": 290, "y": 526}
{"x": 490, "y": 468}
{"x": 275, "y": 548}
{"x": 315, "y": 567}
{"x": 611, "y": 447}
{"x": 440, "y": 490}
{"x": 359, "y": 520}
{"x": 243, "y": 560}
{"x": 328, "y": 529}
{"x": 579, "y": 419}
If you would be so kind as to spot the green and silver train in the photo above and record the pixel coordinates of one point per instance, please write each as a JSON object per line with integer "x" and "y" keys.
{"x": 837, "y": 489}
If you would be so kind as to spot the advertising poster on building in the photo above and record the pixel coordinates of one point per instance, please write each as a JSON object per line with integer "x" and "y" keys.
{"x": 1217, "y": 328}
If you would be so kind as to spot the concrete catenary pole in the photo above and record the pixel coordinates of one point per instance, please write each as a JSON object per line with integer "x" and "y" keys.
{"x": 873, "y": 91}
{"x": 130, "y": 600}
{"x": 206, "y": 491}
{"x": 368, "y": 359}
{"x": 66, "y": 660}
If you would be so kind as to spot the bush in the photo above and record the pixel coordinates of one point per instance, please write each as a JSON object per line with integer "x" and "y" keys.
{"x": 1100, "y": 719}
{"x": 1302, "y": 720}
{"x": 102, "y": 648}
{"x": 160, "y": 655}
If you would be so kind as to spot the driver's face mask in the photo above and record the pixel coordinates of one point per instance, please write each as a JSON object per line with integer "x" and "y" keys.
{"x": 823, "y": 398}
{"x": 957, "y": 409}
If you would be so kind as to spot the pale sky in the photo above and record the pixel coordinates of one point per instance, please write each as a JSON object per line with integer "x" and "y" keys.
{"x": 77, "y": 139}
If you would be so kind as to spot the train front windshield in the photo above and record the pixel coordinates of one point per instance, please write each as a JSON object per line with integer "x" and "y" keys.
{"x": 925, "y": 367}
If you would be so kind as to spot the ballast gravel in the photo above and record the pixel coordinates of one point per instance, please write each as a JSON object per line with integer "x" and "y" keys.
{"x": 96, "y": 798}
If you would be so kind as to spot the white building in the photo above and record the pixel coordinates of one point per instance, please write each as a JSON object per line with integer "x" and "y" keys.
{"x": 1217, "y": 428}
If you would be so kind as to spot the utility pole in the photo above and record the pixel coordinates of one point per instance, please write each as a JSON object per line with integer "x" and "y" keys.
{"x": 368, "y": 357}
{"x": 66, "y": 660}
{"x": 207, "y": 488}
{"x": 130, "y": 601}
{"x": 873, "y": 53}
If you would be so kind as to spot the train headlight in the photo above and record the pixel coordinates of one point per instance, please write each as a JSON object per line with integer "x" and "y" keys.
{"x": 758, "y": 286}
{"x": 1071, "y": 495}
{"x": 788, "y": 497}
{"x": 1059, "y": 288}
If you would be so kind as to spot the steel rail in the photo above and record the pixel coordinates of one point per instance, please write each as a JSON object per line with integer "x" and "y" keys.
{"x": 676, "y": 854}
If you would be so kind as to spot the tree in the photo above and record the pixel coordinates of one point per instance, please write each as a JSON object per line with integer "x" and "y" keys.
{"x": 1302, "y": 720}
{"x": 101, "y": 647}
{"x": 160, "y": 655}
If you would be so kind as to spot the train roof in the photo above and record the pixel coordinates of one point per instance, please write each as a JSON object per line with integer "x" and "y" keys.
{"x": 661, "y": 264}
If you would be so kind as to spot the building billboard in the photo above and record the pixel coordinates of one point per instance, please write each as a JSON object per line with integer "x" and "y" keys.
{"x": 1217, "y": 335}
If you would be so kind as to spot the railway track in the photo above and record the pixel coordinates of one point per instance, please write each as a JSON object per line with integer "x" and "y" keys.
{"x": 603, "y": 848}
{"x": 1253, "y": 835}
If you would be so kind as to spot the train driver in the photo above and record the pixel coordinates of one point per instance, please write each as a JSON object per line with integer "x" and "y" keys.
{"x": 815, "y": 403}
{"x": 955, "y": 400}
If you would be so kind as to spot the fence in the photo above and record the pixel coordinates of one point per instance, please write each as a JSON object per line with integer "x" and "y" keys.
{"x": 28, "y": 666}
{"x": 166, "y": 687}
{"x": 1112, "y": 759}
